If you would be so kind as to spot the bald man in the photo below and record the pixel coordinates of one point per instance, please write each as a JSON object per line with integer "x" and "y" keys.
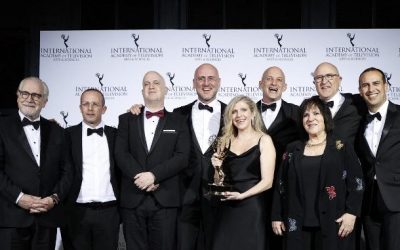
{"x": 151, "y": 149}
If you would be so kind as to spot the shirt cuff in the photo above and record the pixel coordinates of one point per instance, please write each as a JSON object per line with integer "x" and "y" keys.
{"x": 19, "y": 197}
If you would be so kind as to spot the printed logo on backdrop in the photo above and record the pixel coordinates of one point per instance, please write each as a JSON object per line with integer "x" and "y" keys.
{"x": 178, "y": 92}
{"x": 64, "y": 52}
{"x": 109, "y": 89}
{"x": 352, "y": 52}
{"x": 229, "y": 90}
{"x": 134, "y": 52}
{"x": 208, "y": 52}
{"x": 394, "y": 91}
{"x": 64, "y": 115}
{"x": 281, "y": 52}
{"x": 302, "y": 90}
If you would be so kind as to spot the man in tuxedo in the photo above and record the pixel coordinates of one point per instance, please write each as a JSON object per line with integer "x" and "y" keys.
{"x": 151, "y": 150}
{"x": 379, "y": 152}
{"x": 35, "y": 175}
{"x": 345, "y": 108}
{"x": 281, "y": 121}
{"x": 93, "y": 212}
{"x": 204, "y": 117}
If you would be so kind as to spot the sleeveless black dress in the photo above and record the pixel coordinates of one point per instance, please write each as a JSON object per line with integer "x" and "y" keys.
{"x": 241, "y": 224}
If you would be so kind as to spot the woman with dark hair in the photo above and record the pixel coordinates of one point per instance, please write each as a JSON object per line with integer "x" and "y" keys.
{"x": 249, "y": 164}
{"x": 319, "y": 189}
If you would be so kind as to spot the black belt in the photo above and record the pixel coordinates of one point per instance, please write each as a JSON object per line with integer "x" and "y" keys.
{"x": 98, "y": 205}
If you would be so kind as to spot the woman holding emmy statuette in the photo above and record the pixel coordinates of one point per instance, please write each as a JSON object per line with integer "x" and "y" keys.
{"x": 248, "y": 165}
{"x": 319, "y": 186}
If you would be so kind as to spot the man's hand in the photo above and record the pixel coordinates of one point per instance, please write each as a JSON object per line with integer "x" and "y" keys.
{"x": 26, "y": 201}
{"x": 152, "y": 188}
{"x": 135, "y": 109}
{"x": 278, "y": 227}
{"x": 144, "y": 180}
{"x": 42, "y": 205}
{"x": 346, "y": 222}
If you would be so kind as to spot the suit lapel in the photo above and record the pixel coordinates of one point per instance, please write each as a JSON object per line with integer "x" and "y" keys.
{"x": 140, "y": 125}
{"x": 390, "y": 118}
{"x": 22, "y": 138}
{"x": 159, "y": 129}
{"x": 44, "y": 139}
{"x": 76, "y": 141}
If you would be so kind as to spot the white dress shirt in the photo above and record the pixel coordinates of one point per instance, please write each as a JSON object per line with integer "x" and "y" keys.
{"x": 96, "y": 177}
{"x": 206, "y": 124}
{"x": 150, "y": 126}
{"x": 338, "y": 100}
{"x": 268, "y": 115}
{"x": 373, "y": 131}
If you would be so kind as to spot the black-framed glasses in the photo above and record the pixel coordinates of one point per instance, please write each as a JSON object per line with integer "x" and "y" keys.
{"x": 26, "y": 95}
{"x": 329, "y": 77}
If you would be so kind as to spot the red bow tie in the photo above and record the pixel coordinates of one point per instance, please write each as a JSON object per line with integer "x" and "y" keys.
{"x": 159, "y": 113}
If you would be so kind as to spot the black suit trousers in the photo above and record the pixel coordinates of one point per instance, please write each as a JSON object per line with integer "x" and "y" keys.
{"x": 35, "y": 237}
{"x": 149, "y": 226}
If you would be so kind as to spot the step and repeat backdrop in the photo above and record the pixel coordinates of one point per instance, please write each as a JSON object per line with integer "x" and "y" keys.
{"x": 114, "y": 61}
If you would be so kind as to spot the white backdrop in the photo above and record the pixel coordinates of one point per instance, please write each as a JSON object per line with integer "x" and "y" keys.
{"x": 115, "y": 62}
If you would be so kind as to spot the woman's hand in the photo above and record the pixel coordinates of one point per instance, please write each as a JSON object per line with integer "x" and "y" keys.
{"x": 230, "y": 196}
{"x": 216, "y": 160}
{"x": 278, "y": 227}
{"x": 346, "y": 222}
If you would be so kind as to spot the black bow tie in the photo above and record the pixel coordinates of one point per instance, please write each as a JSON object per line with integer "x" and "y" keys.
{"x": 26, "y": 122}
{"x": 370, "y": 117}
{"x": 206, "y": 107}
{"x": 98, "y": 131}
{"x": 329, "y": 104}
{"x": 159, "y": 113}
{"x": 264, "y": 107}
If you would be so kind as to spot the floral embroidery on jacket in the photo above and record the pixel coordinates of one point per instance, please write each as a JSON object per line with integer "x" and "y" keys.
{"x": 331, "y": 192}
{"x": 344, "y": 175}
{"x": 292, "y": 225}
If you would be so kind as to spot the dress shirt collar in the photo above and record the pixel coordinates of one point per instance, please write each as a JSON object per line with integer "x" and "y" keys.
{"x": 278, "y": 105}
{"x": 22, "y": 116}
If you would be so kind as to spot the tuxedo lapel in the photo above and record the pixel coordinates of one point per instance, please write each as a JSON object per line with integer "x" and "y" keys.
{"x": 390, "y": 118}
{"x": 23, "y": 139}
{"x": 76, "y": 142}
{"x": 140, "y": 125}
{"x": 159, "y": 129}
{"x": 279, "y": 118}
{"x": 44, "y": 139}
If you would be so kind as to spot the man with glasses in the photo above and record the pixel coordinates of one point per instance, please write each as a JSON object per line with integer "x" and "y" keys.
{"x": 344, "y": 107}
{"x": 205, "y": 120}
{"x": 35, "y": 175}
{"x": 93, "y": 212}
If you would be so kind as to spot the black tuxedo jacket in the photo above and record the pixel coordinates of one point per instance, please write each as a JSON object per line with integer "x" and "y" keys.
{"x": 347, "y": 119}
{"x": 200, "y": 171}
{"x": 386, "y": 164}
{"x": 74, "y": 140}
{"x": 19, "y": 172}
{"x": 167, "y": 157}
{"x": 285, "y": 128}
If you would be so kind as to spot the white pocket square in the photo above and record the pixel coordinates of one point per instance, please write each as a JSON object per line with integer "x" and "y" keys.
{"x": 169, "y": 131}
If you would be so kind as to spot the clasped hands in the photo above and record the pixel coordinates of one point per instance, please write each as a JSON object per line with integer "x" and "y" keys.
{"x": 145, "y": 181}
{"x": 36, "y": 204}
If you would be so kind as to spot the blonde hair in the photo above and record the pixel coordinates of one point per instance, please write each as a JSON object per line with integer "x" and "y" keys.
{"x": 229, "y": 131}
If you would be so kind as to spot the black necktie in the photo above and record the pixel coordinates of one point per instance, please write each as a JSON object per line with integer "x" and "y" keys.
{"x": 264, "y": 107}
{"x": 329, "y": 104}
{"x": 206, "y": 107}
{"x": 370, "y": 117}
{"x": 159, "y": 113}
{"x": 26, "y": 122}
{"x": 98, "y": 131}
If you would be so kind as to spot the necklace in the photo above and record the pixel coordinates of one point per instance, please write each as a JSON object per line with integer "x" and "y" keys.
{"x": 308, "y": 144}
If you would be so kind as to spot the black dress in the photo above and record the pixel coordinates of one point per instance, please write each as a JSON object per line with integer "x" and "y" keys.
{"x": 241, "y": 224}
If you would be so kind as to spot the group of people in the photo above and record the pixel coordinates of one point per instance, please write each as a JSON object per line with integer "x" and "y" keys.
{"x": 307, "y": 177}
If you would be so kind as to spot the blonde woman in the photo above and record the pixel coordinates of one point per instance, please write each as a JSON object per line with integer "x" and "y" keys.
{"x": 249, "y": 167}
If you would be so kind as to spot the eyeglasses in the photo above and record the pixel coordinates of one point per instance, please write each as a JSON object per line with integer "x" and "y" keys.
{"x": 329, "y": 77}
{"x": 94, "y": 105}
{"x": 210, "y": 79}
{"x": 26, "y": 95}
